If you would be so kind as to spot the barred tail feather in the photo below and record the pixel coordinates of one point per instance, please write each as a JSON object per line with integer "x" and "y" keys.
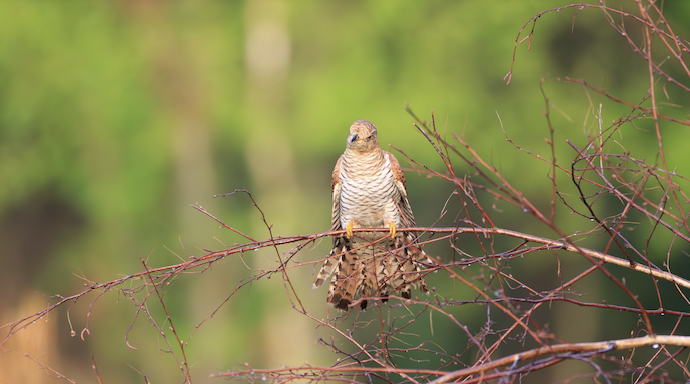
{"x": 339, "y": 247}
{"x": 361, "y": 269}
{"x": 345, "y": 281}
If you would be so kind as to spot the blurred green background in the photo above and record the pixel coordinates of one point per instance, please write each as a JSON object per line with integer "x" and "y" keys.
{"x": 115, "y": 116}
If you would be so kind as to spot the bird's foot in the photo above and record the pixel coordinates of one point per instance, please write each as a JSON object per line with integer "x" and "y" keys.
{"x": 349, "y": 228}
{"x": 391, "y": 227}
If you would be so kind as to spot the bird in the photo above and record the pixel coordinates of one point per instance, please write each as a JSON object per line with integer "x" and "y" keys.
{"x": 368, "y": 191}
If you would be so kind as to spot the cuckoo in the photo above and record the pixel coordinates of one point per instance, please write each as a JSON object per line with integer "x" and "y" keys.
{"x": 368, "y": 191}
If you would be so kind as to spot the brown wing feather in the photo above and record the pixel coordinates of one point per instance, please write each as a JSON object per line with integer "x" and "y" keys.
{"x": 403, "y": 204}
{"x": 335, "y": 197}
{"x": 339, "y": 244}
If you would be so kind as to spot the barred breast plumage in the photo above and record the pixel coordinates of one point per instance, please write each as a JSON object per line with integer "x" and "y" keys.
{"x": 368, "y": 191}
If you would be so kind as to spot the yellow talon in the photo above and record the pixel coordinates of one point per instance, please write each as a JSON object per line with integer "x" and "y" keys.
{"x": 349, "y": 228}
{"x": 391, "y": 227}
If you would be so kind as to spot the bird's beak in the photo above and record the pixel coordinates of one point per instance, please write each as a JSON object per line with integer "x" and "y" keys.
{"x": 354, "y": 137}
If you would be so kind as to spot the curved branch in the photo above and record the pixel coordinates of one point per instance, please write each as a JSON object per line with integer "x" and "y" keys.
{"x": 570, "y": 349}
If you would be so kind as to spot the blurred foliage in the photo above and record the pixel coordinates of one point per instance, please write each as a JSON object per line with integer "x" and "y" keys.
{"x": 115, "y": 116}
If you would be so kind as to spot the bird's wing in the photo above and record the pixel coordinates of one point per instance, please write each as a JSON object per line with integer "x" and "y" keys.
{"x": 335, "y": 197}
{"x": 403, "y": 203}
{"x": 340, "y": 243}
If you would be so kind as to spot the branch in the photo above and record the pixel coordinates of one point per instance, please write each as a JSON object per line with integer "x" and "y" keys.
{"x": 570, "y": 351}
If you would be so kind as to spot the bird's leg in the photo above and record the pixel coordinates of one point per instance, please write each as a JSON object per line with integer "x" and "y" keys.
{"x": 349, "y": 228}
{"x": 391, "y": 227}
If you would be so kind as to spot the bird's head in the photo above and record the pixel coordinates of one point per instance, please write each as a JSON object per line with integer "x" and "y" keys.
{"x": 362, "y": 137}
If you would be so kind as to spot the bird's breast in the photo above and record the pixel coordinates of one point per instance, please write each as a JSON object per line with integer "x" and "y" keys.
{"x": 368, "y": 194}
